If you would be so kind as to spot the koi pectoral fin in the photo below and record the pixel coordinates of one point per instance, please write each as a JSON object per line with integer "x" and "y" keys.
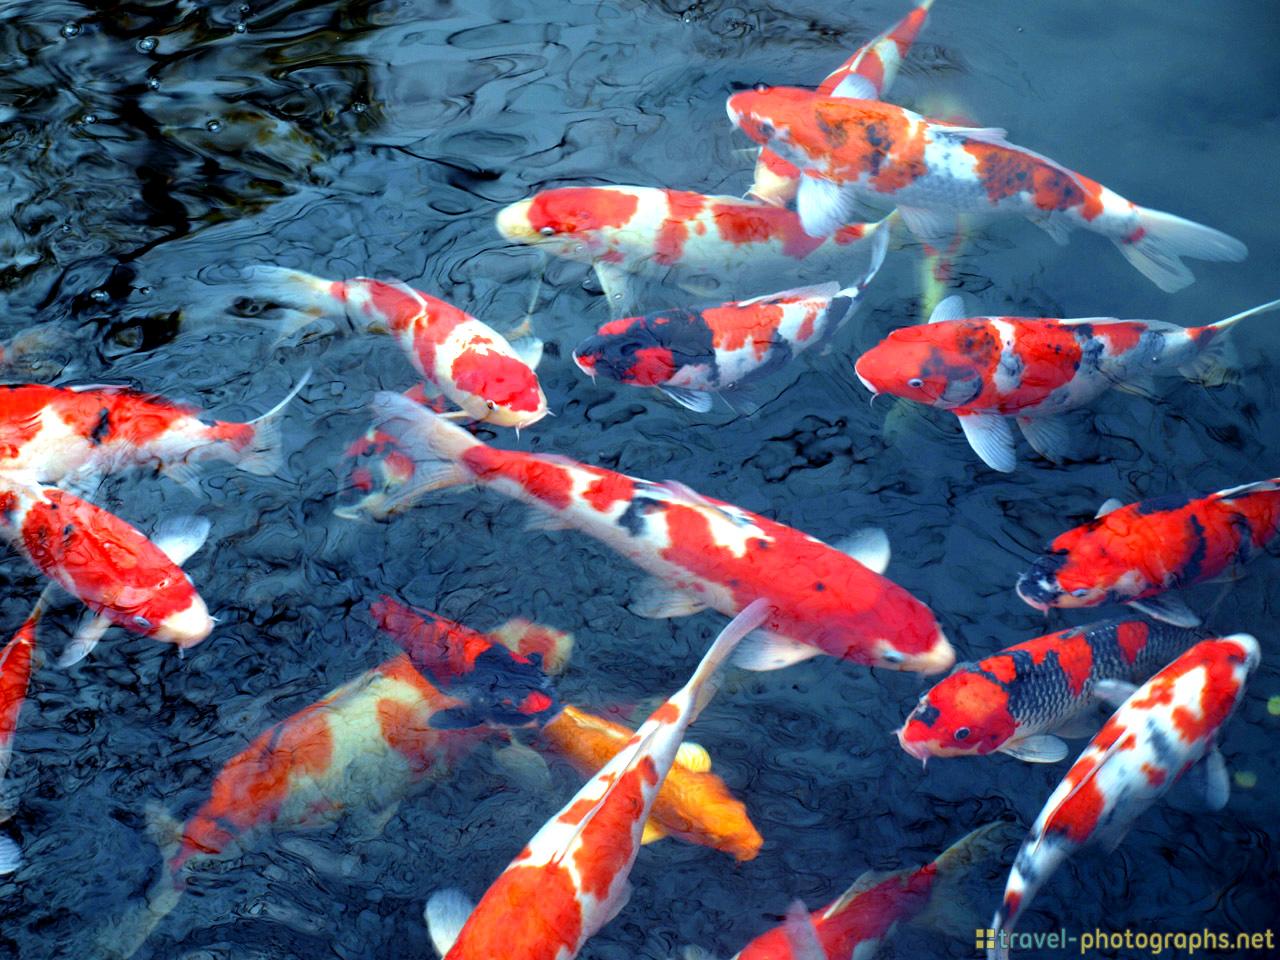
{"x": 695, "y": 400}
{"x": 10, "y": 856}
{"x": 1169, "y": 609}
{"x": 619, "y": 288}
{"x": 1043, "y": 748}
{"x": 870, "y": 547}
{"x": 938, "y": 228}
{"x": 1113, "y": 692}
{"x": 446, "y": 913}
{"x": 763, "y": 651}
{"x": 1048, "y": 436}
{"x": 652, "y": 833}
{"x": 824, "y": 206}
{"x": 991, "y": 438}
{"x": 657, "y": 600}
{"x": 86, "y": 638}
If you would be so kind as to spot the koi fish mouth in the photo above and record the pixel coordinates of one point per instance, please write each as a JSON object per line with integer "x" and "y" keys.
{"x": 513, "y": 223}
{"x": 917, "y": 750}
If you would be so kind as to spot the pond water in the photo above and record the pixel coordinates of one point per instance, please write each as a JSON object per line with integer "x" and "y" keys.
{"x": 150, "y": 153}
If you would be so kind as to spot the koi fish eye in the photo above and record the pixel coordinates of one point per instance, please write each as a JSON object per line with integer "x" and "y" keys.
{"x": 491, "y": 405}
{"x": 892, "y": 656}
{"x": 760, "y": 87}
{"x": 1080, "y": 592}
{"x": 548, "y": 231}
{"x": 915, "y": 383}
{"x": 142, "y": 622}
{"x": 962, "y": 733}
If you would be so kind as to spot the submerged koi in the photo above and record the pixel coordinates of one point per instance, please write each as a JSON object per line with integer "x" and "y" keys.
{"x": 15, "y": 678}
{"x": 1133, "y": 554}
{"x": 988, "y": 370}
{"x": 571, "y": 878}
{"x": 689, "y": 354}
{"x": 700, "y": 552}
{"x": 1161, "y": 731}
{"x": 1012, "y": 701}
{"x": 932, "y": 171}
{"x": 873, "y": 67}
{"x": 693, "y": 805}
{"x": 464, "y": 359}
{"x": 123, "y": 577}
{"x": 51, "y": 433}
{"x": 648, "y": 232}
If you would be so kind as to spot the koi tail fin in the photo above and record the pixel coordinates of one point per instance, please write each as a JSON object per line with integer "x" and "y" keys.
{"x": 432, "y": 443}
{"x": 701, "y": 686}
{"x": 299, "y": 299}
{"x": 122, "y": 938}
{"x": 1038, "y": 857}
{"x": 1161, "y": 240}
{"x": 264, "y": 454}
{"x": 950, "y": 910}
{"x": 1214, "y": 363}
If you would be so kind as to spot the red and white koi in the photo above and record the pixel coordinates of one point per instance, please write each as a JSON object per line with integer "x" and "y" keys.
{"x": 571, "y": 878}
{"x": 15, "y": 678}
{"x": 1160, "y": 731}
{"x": 1013, "y": 701}
{"x": 52, "y": 433}
{"x": 867, "y": 74}
{"x": 1135, "y": 553}
{"x": 858, "y": 922}
{"x": 700, "y": 552}
{"x": 111, "y": 567}
{"x": 988, "y": 370}
{"x": 651, "y": 233}
{"x": 855, "y": 150}
{"x": 689, "y": 354}
{"x": 468, "y": 361}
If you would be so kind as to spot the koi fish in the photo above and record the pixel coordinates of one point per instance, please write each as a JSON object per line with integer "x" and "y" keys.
{"x": 497, "y": 685}
{"x": 862, "y": 150}
{"x": 876, "y": 64}
{"x": 693, "y": 805}
{"x": 466, "y": 360}
{"x": 53, "y": 433}
{"x": 1134, "y": 554}
{"x": 651, "y": 233}
{"x": 1011, "y": 701}
{"x": 571, "y": 878}
{"x": 987, "y": 370}
{"x": 689, "y": 354}
{"x": 700, "y": 552}
{"x": 15, "y": 677}
{"x": 356, "y": 754}
{"x": 861, "y": 919}
{"x": 1162, "y": 730}
{"x": 111, "y": 567}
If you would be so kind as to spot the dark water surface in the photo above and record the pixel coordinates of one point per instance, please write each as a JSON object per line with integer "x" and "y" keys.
{"x": 150, "y": 153}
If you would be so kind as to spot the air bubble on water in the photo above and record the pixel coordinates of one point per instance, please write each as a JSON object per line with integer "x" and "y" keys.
{"x": 147, "y": 44}
{"x": 688, "y": 17}
{"x": 90, "y": 118}
{"x": 241, "y": 27}
{"x": 154, "y": 83}
{"x": 70, "y": 30}
{"x": 213, "y": 126}
{"x": 359, "y": 107}
{"x": 100, "y": 296}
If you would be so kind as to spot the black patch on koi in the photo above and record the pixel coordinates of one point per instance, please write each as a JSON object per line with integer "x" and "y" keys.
{"x": 102, "y": 429}
{"x": 819, "y": 586}
{"x": 633, "y": 518}
{"x": 1194, "y": 566}
{"x": 682, "y": 333}
{"x": 964, "y": 383}
{"x": 928, "y": 715}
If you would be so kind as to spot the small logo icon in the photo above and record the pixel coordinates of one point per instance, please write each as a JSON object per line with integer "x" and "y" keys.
{"x": 984, "y": 940}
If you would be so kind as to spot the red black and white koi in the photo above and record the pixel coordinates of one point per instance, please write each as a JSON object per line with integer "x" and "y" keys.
{"x": 694, "y": 239}
{"x": 858, "y": 922}
{"x": 464, "y": 359}
{"x": 496, "y": 685}
{"x": 55, "y": 433}
{"x": 700, "y": 552}
{"x": 1160, "y": 731}
{"x": 1134, "y": 554}
{"x": 987, "y": 370}
{"x": 571, "y": 878}
{"x": 854, "y": 151}
{"x": 867, "y": 74}
{"x": 123, "y": 577}
{"x": 1013, "y": 701}
{"x": 690, "y": 354}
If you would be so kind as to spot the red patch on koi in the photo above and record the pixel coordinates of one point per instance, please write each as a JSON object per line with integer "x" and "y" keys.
{"x": 652, "y": 366}
{"x": 682, "y": 207}
{"x": 740, "y": 224}
{"x": 1131, "y": 638}
{"x": 609, "y": 488}
{"x": 606, "y": 847}
{"x": 549, "y": 482}
{"x": 579, "y": 209}
{"x": 530, "y": 913}
{"x": 734, "y": 325}
{"x": 506, "y": 381}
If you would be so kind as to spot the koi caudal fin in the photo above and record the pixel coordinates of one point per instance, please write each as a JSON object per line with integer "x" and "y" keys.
{"x": 1161, "y": 240}
{"x": 433, "y": 444}
{"x": 264, "y": 453}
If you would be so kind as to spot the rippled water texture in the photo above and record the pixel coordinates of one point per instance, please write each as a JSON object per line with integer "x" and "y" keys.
{"x": 150, "y": 154}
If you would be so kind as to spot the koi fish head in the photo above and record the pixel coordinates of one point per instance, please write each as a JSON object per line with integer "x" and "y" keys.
{"x": 965, "y": 714}
{"x": 768, "y": 115}
{"x": 568, "y": 221}
{"x": 921, "y": 364}
{"x": 501, "y": 389}
{"x": 634, "y": 350}
{"x": 1042, "y": 586}
{"x": 184, "y": 628}
{"x": 918, "y": 646}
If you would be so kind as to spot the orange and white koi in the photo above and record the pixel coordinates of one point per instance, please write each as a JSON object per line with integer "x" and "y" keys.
{"x": 1160, "y": 731}
{"x": 15, "y": 678}
{"x": 693, "y": 805}
{"x": 854, "y": 149}
{"x": 874, "y": 66}
{"x": 466, "y": 360}
{"x": 858, "y": 922}
{"x": 1135, "y": 553}
{"x": 111, "y": 567}
{"x": 652, "y": 233}
{"x": 699, "y": 552}
{"x": 51, "y": 433}
{"x": 690, "y": 354}
{"x": 571, "y": 878}
{"x": 988, "y": 370}
{"x": 1012, "y": 701}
